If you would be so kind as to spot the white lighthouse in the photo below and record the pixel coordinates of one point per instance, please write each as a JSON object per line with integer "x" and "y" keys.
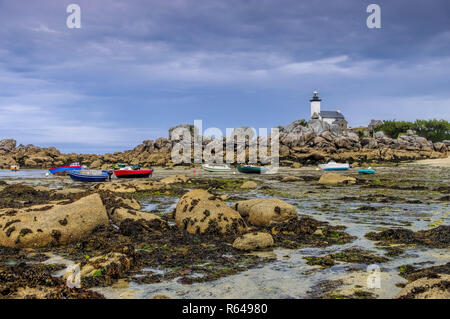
{"x": 315, "y": 104}
{"x": 330, "y": 117}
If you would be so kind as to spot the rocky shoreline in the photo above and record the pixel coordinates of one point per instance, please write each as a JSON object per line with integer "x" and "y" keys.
{"x": 218, "y": 226}
{"x": 105, "y": 222}
{"x": 300, "y": 144}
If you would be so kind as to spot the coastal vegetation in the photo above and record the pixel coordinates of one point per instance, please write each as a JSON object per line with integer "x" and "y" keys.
{"x": 433, "y": 130}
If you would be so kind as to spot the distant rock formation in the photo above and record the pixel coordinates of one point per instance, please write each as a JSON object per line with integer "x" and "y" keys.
{"x": 300, "y": 143}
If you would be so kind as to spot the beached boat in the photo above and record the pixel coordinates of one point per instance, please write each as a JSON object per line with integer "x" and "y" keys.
{"x": 333, "y": 166}
{"x": 63, "y": 170}
{"x": 250, "y": 169}
{"x": 15, "y": 168}
{"x": 89, "y": 175}
{"x": 131, "y": 173}
{"x": 216, "y": 168}
{"x": 367, "y": 171}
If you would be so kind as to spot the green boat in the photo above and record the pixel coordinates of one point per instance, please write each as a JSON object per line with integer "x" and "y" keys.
{"x": 250, "y": 169}
{"x": 367, "y": 171}
{"x": 124, "y": 166}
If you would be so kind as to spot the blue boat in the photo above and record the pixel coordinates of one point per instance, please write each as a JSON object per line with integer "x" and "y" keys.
{"x": 63, "y": 170}
{"x": 367, "y": 171}
{"x": 89, "y": 175}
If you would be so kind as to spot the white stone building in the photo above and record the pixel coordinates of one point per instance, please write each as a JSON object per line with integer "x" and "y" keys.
{"x": 330, "y": 117}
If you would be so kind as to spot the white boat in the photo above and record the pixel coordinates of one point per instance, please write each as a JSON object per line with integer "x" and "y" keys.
{"x": 216, "y": 168}
{"x": 333, "y": 166}
{"x": 15, "y": 168}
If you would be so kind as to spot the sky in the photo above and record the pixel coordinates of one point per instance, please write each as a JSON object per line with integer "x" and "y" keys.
{"x": 136, "y": 68}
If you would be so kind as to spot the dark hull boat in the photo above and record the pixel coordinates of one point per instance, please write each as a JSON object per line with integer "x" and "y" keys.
{"x": 89, "y": 175}
{"x": 128, "y": 173}
{"x": 250, "y": 169}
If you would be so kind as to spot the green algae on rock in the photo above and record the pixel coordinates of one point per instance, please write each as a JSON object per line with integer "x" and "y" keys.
{"x": 438, "y": 237}
{"x": 426, "y": 283}
{"x": 201, "y": 212}
{"x": 351, "y": 255}
{"x": 306, "y": 231}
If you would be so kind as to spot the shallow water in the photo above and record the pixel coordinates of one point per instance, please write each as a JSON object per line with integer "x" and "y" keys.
{"x": 22, "y": 174}
{"x": 289, "y": 276}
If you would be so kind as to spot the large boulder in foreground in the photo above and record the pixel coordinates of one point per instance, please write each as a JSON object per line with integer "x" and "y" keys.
{"x": 333, "y": 179}
{"x": 201, "y": 212}
{"x": 253, "y": 241}
{"x": 264, "y": 211}
{"x": 41, "y": 225}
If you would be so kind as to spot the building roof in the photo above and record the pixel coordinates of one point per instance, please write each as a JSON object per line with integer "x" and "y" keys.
{"x": 331, "y": 114}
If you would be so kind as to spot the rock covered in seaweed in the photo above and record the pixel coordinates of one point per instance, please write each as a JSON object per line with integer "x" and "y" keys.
{"x": 201, "y": 212}
{"x": 333, "y": 179}
{"x": 438, "y": 237}
{"x": 41, "y": 225}
{"x": 264, "y": 211}
{"x": 118, "y": 215}
{"x": 253, "y": 241}
{"x": 437, "y": 287}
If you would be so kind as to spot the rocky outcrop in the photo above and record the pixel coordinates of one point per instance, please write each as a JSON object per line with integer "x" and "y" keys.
{"x": 175, "y": 179}
{"x": 41, "y": 225}
{"x": 333, "y": 179}
{"x": 301, "y": 142}
{"x": 253, "y": 241}
{"x": 265, "y": 211}
{"x": 132, "y": 186}
{"x": 436, "y": 287}
{"x": 7, "y": 145}
{"x": 116, "y": 187}
{"x": 199, "y": 212}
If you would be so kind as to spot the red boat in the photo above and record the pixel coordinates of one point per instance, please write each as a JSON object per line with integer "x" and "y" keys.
{"x": 128, "y": 173}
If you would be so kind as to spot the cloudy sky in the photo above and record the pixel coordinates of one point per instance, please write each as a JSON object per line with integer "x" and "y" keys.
{"x": 136, "y": 68}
